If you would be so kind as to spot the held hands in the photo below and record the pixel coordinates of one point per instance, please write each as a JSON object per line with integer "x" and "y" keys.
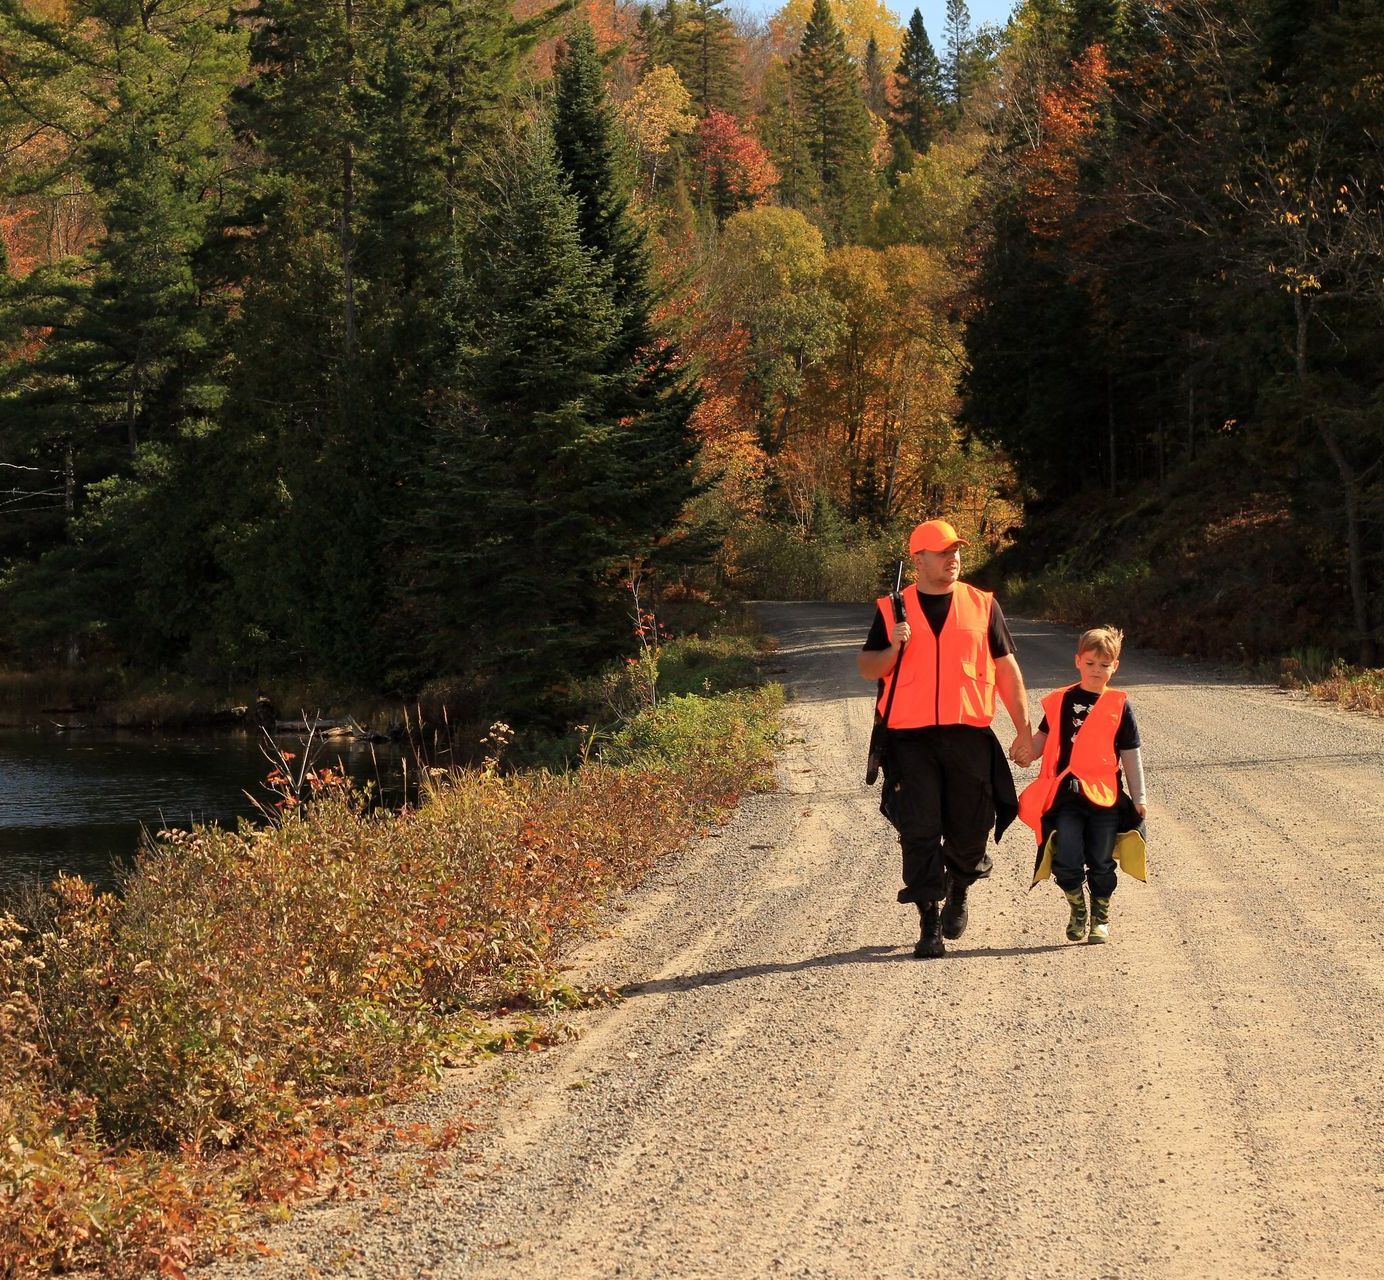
{"x": 1021, "y": 749}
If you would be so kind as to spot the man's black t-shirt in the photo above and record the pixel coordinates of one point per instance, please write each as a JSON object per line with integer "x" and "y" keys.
{"x": 1076, "y": 704}
{"x": 935, "y": 609}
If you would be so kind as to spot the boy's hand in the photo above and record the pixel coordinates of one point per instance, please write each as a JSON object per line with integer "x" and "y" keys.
{"x": 1141, "y": 810}
{"x": 1021, "y": 750}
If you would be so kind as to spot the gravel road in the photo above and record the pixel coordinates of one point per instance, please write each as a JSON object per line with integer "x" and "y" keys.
{"x": 784, "y": 1091}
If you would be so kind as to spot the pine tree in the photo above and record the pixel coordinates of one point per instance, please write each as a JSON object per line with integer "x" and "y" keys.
{"x": 118, "y": 346}
{"x": 918, "y": 87}
{"x": 956, "y": 80}
{"x": 783, "y": 128}
{"x": 1094, "y": 22}
{"x": 648, "y": 475}
{"x": 369, "y": 133}
{"x": 517, "y": 539}
{"x": 704, "y": 53}
{"x": 836, "y": 124}
{"x": 872, "y": 73}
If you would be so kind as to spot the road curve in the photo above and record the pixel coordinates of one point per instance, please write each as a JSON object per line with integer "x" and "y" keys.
{"x": 785, "y": 1092}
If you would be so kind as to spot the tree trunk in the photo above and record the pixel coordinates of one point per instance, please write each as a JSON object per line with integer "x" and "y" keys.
{"x": 1110, "y": 425}
{"x": 347, "y": 238}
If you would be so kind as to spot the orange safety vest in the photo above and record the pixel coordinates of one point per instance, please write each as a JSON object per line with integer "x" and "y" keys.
{"x": 947, "y": 678}
{"x": 1094, "y": 761}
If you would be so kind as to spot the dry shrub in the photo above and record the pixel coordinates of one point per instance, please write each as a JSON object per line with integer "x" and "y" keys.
{"x": 1316, "y": 671}
{"x": 210, "y": 1035}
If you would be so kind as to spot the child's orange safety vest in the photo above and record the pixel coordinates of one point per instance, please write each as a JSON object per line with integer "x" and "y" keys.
{"x": 1094, "y": 762}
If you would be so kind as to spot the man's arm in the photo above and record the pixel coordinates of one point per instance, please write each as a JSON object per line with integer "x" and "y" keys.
{"x": 875, "y": 664}
{"x": 1009, "y": 680}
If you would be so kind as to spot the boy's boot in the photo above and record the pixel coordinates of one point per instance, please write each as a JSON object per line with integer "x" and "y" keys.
{"x": 1100, "y": 920}
{"x": 1076, "y": 924}
{"x": 930, "y": 939}
{"x": 954, "y": 909}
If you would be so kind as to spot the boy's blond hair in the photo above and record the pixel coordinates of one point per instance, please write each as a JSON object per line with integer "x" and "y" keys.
{"x": 1106, "y": 641}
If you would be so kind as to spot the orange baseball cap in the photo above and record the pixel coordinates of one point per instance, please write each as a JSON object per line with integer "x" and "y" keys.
{"x": 934, "y": 535}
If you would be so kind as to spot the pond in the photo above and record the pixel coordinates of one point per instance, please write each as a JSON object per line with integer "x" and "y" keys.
{"x": 79, "y": 801}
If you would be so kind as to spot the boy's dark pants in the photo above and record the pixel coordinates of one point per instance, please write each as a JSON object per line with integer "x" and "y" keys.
{"x": 1085, "y": 848}
{"x": 939, "y": 796}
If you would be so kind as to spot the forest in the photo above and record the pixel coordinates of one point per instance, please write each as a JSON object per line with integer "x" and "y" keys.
{"x": 405, "y": 343}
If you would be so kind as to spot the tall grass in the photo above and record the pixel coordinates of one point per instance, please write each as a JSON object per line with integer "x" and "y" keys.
{"x": 203, "y": 1040}
{"x": 850, "y": 568}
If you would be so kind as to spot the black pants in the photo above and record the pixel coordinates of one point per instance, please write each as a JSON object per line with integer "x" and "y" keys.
{"x": 939, "y": 794}
{"x": 1085, "y": 846}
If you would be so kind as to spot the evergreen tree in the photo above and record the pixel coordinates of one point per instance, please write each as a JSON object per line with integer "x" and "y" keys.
{"x": 836, "y": 124}
{"x": 956, "y": 61}
{"x": 516, "y": 537}
{"x": 120, "y": 345}
{"x": 650, "y": 41}
{"x": 1034, "y": 381}
{"x": 369, "y": 132}
{"x": 648, "y": 474}
{"x": 783, "y": 130}
{"x": 704, "y": 53}
{"x": 1094, "y": 22}
{"x": 872, "y": 73}
{"x": 918, "y": 87}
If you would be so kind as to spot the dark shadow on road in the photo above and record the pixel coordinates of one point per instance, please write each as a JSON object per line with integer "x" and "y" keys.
{"x": 861, "y": 955}
{"x": 978, "y": 953}
{"x": 690, "y": 981}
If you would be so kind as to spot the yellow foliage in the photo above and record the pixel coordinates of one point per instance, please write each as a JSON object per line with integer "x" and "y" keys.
{"x": 657, "y": 111}
{"x": 859, "y": 20}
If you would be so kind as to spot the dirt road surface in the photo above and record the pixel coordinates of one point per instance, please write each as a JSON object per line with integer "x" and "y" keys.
{"x": 785, "y": 1092}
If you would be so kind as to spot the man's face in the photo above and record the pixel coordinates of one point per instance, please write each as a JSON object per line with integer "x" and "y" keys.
{"x": 938, "y": 571}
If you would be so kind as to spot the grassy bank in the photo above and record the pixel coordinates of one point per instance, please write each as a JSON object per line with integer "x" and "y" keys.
{"x": 211, "y": 1043}
{"x": 112, "y": 697}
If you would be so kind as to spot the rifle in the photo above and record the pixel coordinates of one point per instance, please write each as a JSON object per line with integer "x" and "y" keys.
{"x": 880, "y": 732}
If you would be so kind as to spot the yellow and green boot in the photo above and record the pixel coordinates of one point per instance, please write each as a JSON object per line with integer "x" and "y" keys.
{"x": 1076, "y": 924}
{"x": 1100, "y": 920}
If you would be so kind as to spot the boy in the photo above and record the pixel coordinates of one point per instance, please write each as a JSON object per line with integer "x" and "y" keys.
{"x": 1083, "y": 818}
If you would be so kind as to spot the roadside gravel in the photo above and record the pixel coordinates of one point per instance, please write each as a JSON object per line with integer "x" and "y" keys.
{"x": 784, "y": 1091}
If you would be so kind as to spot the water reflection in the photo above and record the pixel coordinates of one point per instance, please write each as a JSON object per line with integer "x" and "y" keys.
{"x": 78, "y": 801}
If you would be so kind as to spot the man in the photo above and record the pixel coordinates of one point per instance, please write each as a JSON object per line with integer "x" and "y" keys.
{"x": 946, "y": 782}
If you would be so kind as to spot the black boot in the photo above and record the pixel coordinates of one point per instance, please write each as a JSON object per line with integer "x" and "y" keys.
{"x": 954, "y": 909}
{"x": 930, "y": 940}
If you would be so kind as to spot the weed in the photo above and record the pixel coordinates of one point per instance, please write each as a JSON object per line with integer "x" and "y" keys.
{"x": 215, "y": 1037}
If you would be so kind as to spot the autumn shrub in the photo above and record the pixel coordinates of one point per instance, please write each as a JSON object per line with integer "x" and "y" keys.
{"x": 1076, "y": 593}
{"x": 713, "y": 664}
{"x": 208, "y": 1035}
{"x": 1317, "y": 672}
{"x": 840, "y": 563}
{"x": 719, "y": 742}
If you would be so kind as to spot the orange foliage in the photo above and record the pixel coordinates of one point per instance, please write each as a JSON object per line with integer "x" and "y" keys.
{"x": 18, "y": 243}
{"x": 610, "y": 23}
{"x": 1070, "y": 116}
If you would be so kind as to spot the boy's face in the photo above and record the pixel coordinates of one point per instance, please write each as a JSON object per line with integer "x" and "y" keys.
{"x": 1095, "y": 670}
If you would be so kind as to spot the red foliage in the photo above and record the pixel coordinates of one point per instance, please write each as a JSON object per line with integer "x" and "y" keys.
{"x": 733, "y": 170}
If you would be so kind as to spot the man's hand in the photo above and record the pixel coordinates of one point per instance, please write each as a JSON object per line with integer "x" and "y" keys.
{"x": 903, "y": 633}
{"x": 1021, "y": 750}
